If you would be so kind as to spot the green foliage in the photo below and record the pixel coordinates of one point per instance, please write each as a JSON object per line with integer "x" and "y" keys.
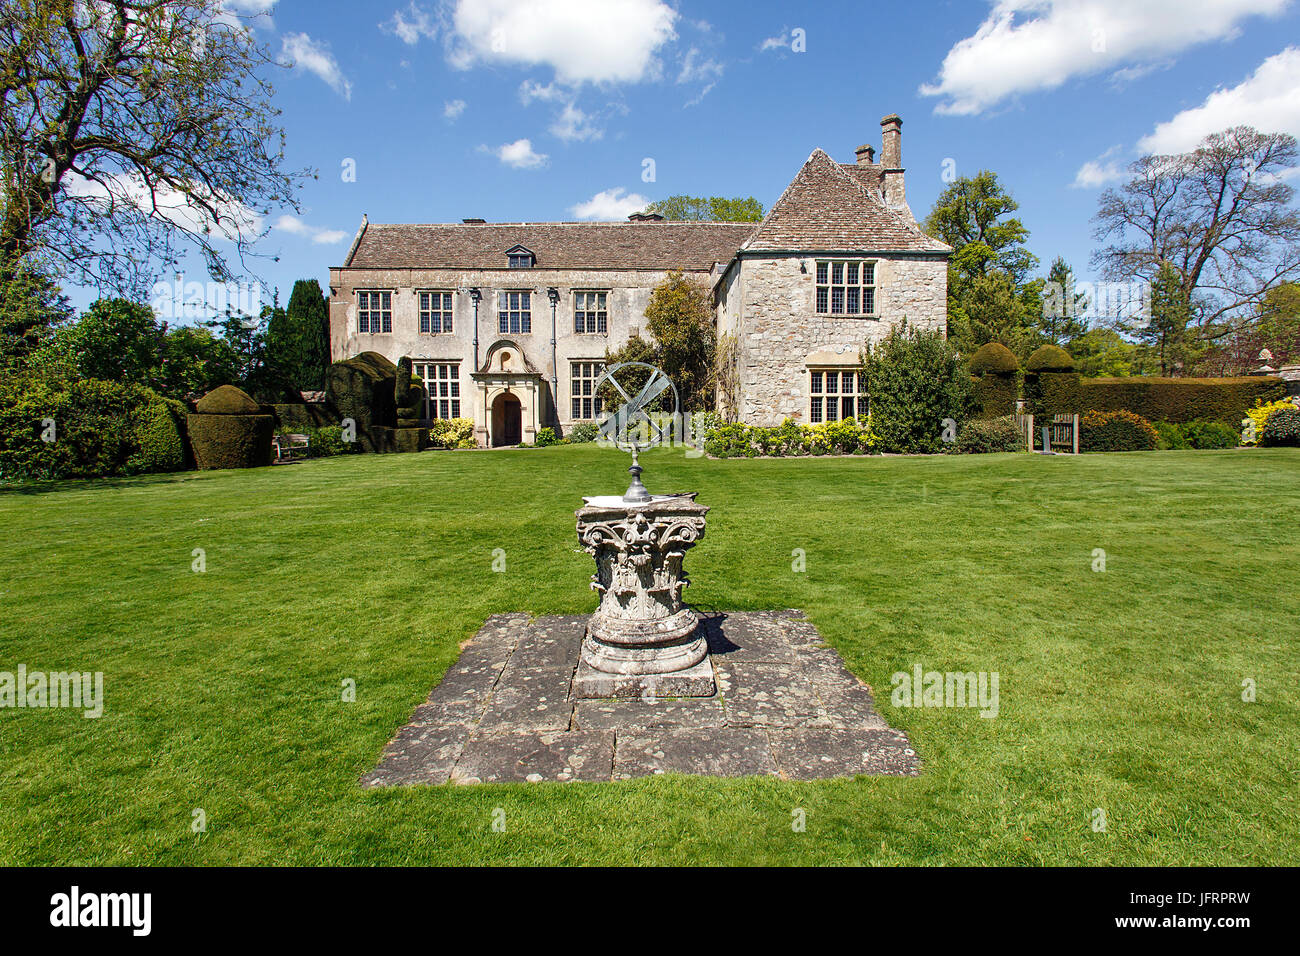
{"x": 31, "y": 305}
{"x": 915, "y": 382}
{"x": 1256, "y": 418}
{"x": 297, "y": 338}
{"x": 708, "y": 208}
{"x": 546, "y": 437}
{"x": 1049, "y": 358}
{"x": 680, "y": 317}
{"x": 99, "y": 429}
{"x": 851, "y": 436}
{"x": 1281, "y": 430}
{"x": 993, "y": 357}
{"x": 582, "y": 432}
{"x": 1225, "y": 400}
{"x": 323, "y": 441}
{"x": 157, "y": 438}
{"x": 1116, "y": 431}
{"x": 1104, "y": 352}
{"x": 452, "y": 433}
{"x": 990, "y": 435}
{"x": 227, "y": 400}
{"x": 408, "y": 394}
{"x": 1172, "y": 437}
{"x": 1063, "y": 308}
{"x": 361, "y": 388}
{"x": 231, "y": 441}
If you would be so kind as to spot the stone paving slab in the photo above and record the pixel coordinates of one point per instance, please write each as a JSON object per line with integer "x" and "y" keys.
{"x": 727, "y": 752}
{"x": 575, "y": 755}
{"x": 507, "y": 711}
{"x": 696, "y": 712}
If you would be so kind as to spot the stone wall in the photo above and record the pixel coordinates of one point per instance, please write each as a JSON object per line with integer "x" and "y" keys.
{"x": 771, "y": 304}
{"x": 629, "y": 294}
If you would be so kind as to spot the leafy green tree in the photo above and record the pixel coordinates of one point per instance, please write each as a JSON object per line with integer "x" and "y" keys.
{"x": 297, "y": 338}
{"x": 115, "y": 340}
{"x": 129, "y": 128}
{"x": 1102, "y": 352}
{"x": 194, "y": 362}
{"x": 679, "y": 317}
{"x": 989, "y": 268}
{"x": 708, "y": 208}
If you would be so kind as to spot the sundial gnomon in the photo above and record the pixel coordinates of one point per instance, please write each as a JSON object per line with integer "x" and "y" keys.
{"x": 630, "y": 427}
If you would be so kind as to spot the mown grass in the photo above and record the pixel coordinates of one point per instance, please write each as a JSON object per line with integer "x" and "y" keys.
{"x": 1119, "y": 690}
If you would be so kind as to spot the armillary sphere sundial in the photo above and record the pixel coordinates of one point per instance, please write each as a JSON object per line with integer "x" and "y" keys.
{"x": 642, "y": 640}
{"x": 630, "y": 427}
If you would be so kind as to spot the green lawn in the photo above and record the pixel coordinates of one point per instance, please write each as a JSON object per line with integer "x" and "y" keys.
{"x": 1119, "y": 690}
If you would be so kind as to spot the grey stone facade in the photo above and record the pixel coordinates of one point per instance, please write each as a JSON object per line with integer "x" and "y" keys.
{"x": 764, "y": 279}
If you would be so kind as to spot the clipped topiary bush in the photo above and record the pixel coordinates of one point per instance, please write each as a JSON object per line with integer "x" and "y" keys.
{"x": 408, "y": 395}
{"x": 230, "y": 439}
{"x": 1116, "y": 431}
{"x": 362, "y": 389}
{"x": 1049, "y": 358}
{"x": 1051, "y": 383}
{"x": 995, "y": 387}
{"x": 980, "y": 437}
{"x": 1282, "y": 430}
{"x": 995, "y": 358}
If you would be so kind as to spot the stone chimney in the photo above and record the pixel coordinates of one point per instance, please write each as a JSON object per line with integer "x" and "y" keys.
{"x": 866, "y": 155}
{"x": 891, "y": 157}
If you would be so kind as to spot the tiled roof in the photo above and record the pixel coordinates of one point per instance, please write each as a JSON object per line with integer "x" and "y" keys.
{"x": 827, "y": 207}
{"x": 690, "y": 246}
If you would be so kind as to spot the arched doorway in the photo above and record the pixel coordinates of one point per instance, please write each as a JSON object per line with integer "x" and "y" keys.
{"x": 507, "y": 420}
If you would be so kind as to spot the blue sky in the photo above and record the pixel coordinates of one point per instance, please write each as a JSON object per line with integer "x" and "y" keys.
{"x": 550, "y": 109}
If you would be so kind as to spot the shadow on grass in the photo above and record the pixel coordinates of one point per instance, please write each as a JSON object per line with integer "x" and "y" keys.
{"x": 92, "y": 484}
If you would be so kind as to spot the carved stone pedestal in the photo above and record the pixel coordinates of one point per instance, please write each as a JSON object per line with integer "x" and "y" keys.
{"x": 642, "y": 641}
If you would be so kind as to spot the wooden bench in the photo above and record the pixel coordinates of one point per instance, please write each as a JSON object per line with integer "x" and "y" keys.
{"x": 287, "y": 446}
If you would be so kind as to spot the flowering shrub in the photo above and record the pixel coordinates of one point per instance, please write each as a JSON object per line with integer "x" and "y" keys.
{"x": 1257, "y": 418}
{"x": 852, "y": 436}
{"x": 452, "y": 433}
{"x": 1282, "y": 429}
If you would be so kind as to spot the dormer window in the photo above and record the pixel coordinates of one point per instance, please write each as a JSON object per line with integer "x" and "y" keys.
{"x": 520, "y": 257}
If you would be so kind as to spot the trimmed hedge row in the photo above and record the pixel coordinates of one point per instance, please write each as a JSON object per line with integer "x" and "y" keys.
{"x": 851, "y": 436}
{"x": 1181, "y": 400}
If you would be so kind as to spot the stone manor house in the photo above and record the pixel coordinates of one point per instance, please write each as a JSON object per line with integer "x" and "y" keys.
{"x": 509, "y": 323}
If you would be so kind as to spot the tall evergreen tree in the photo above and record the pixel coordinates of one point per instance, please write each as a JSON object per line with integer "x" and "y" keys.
{"x": 297, "y": 338}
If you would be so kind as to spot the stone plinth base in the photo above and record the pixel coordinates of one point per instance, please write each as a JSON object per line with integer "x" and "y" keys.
{"x": 695, "y": 681}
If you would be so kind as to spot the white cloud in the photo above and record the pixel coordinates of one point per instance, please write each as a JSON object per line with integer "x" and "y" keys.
{"x": 236, "y": 221}
{"x": 411, "y": 25}
{"x": 697, "y": 67}
{"x": 573, "y": 125}
{"x": 1268, "y": 100}
{"x": 530, "y": 90}
{"x": 1028, "y": 45}
{"x": 775, "y": 43}
{"x": 519, "y": 154}
{"x": 610, "y": 204}
{"x": 584, "y": 41}
{"x": 315, "y": 57}
{"x": 1099, "y": 172}
{"x": 318, "y": 235}
{"x": 452, "y": 109}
